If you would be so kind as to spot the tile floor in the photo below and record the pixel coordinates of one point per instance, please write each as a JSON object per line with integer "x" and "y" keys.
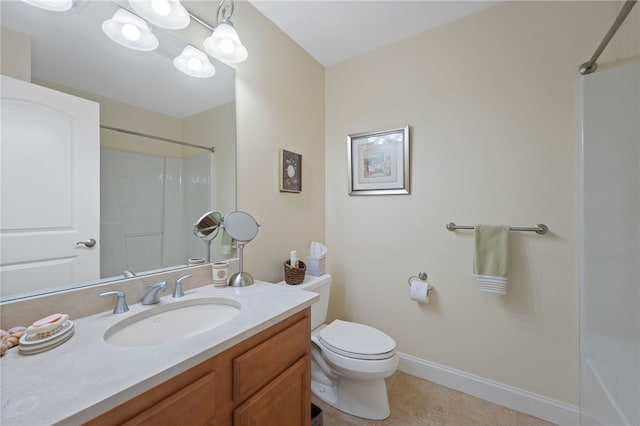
{"x": 417, "y": 402}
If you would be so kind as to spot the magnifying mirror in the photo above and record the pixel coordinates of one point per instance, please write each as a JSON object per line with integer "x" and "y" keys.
{"x": 206, "y": 228}
{"x": 242, "y": 227}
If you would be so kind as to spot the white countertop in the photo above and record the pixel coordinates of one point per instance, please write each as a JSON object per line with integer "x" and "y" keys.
{"x": 86, "y": 376}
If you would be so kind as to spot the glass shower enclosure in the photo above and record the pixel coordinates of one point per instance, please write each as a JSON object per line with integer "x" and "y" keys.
{"x": 610, "y": 255}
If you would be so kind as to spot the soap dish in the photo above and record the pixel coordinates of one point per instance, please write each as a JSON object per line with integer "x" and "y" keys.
{"x": 35, "y": 343}
{"x": 48, "y": 326}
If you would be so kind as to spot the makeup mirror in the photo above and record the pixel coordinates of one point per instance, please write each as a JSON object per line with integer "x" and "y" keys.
{"x": 206, "y": 228}
{"x": 242, "y": 227}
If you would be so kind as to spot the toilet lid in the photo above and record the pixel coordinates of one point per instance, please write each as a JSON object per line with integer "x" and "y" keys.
{"x": 355, "y": 340}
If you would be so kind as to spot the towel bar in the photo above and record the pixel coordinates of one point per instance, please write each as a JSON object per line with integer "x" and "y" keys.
{"x": 540, "y": 228}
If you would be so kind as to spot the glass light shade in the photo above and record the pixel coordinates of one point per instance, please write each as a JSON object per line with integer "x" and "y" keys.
{"x": 128, "y": 30}
{"x": 52, "y": 5}
{"x": 195, "y": 63}
{"x": 168, "y": 14}
{"x": 225, "y": 44}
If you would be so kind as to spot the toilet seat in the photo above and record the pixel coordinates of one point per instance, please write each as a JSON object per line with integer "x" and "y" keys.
{"x": 357, "y": 341}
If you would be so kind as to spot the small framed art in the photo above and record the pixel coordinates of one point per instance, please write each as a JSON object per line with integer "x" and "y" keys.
{"x": 290, "y": 171}
{"x": 378, "y": 162}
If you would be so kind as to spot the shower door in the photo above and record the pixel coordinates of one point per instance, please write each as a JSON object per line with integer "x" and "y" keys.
{"x": 610, "y": 257}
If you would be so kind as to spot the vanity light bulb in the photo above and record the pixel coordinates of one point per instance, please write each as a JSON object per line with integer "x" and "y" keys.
{"x": 194, "y": 64}
{"x": 161, "y": 7}
{"x": 169, "y": 14}
{"x": 224, "y": 44}
{"x": 52, "y": 5}
{"x": 131, "y": 32}
{"x": 227, "y": 46}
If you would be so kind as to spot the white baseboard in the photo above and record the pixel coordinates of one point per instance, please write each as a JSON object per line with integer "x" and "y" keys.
{"x": 507, "y": 396}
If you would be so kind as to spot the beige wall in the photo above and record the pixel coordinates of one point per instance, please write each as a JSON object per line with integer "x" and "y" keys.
{"x": 280, "y": 104}
{"x": 217, "y": 127}
{"x": 15, "y": 55}
{"x": 492, "y": 103}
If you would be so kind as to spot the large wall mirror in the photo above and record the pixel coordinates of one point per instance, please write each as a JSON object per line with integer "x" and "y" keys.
{"x": 152, "y": 189}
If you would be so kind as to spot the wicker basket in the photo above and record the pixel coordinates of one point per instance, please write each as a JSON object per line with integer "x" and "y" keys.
{"x": 294, "y": 275}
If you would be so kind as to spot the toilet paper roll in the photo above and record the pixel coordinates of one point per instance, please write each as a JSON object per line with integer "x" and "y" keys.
{"x": 420, "y": 290}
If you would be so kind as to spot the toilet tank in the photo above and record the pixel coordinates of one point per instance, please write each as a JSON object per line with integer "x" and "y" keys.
{"x": 322, "y": 286}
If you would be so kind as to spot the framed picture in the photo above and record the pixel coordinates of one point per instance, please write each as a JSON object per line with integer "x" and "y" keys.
{"x": 290, "y": 171}
{"x": 378, "y": 162}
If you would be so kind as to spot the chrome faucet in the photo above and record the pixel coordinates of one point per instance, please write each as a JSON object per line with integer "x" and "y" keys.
{"x": 153, "y": 294}
{"x": 121, "y": 302}
{"x": 178, "y": 292}
{"x": 128, "y": 274}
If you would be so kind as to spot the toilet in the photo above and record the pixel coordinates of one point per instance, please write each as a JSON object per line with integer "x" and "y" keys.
{"x": 349, "y": 361}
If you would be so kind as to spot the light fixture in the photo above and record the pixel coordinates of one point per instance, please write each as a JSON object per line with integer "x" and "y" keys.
{"x": 52, "y": 5}
{"x": 168, "y": 14}
{"x": 195, "y": 63}
{"x": 224, "y": 43}
{"x": 132, "y": 31}
{"x": 127, "y": 29}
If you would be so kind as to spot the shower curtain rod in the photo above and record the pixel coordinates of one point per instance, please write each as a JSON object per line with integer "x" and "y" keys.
{"x": 159, "y": 138}
{"x": 590, "y": 66}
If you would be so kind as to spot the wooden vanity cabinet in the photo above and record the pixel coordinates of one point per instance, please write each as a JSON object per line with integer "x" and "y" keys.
{"x": 264, "y": 380}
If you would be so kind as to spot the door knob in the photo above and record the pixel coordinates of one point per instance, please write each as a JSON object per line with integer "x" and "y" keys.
{"x": 89, "y": 243}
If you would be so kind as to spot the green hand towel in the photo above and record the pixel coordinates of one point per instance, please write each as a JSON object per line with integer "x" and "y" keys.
{"x": 491, "y": 257}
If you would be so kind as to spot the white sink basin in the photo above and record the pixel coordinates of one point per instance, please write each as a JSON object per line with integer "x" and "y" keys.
{"x": 172, "y": 322}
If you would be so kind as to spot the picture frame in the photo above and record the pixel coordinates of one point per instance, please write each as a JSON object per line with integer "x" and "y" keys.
{"x": 378, "y": 162}
{"x": 290, "y": 171}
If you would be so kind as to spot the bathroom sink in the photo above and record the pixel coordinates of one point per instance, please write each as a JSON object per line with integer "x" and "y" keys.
{"x": 172, "y": 322}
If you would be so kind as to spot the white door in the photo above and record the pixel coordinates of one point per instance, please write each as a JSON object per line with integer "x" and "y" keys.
{"x": 50, "y": 189}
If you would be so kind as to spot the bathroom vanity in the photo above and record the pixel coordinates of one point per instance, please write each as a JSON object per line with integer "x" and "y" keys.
{"x": 254, "y": 369}
{"x": 262, "y": 380}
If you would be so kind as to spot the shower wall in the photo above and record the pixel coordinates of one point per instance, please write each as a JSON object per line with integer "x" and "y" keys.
{"x": 196, "y": 183}
{"x": 148, "y": 207}
{"x": 610, "y": 259}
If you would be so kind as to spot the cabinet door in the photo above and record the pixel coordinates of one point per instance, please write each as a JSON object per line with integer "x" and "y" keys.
{"x": 286, "y": 401}
{"x": 193, "y": 405}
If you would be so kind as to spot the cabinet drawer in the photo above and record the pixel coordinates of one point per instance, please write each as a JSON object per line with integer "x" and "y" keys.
{"x": 192, "y": 405}
{"x": 263, "y": 363}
